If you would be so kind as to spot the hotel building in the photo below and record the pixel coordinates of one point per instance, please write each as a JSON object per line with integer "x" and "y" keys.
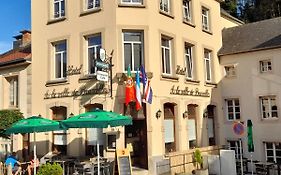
{"x": 177, "y": 42}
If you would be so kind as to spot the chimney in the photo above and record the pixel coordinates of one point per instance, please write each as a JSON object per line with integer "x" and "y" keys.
{"x": 22, "y": 39}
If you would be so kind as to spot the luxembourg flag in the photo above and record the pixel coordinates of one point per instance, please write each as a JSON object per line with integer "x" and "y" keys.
{"x": 147, "y": 91}
{"x": 138, "y": 92}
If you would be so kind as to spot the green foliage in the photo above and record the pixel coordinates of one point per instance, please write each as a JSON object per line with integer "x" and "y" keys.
{"x": 230, "y": 6}
{"x": 198, "y": 158}
{"x": 53, "y": 169}
{"x": 7, "y": 118}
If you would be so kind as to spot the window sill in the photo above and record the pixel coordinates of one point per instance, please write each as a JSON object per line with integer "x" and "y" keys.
{"x": 87, "y": 77}
{"x": 131, "y": 5}
{"x": 13, "y": 108}
{"x": 188, "y": 23}
{"x": 55, "y": 20}
{"x": 170, "y": 77}
{"x": 230, "y": 77}
{"x": 207, "y": 31}
{"x": 166, "y": 14}
{"x": 210, "y": 84}
{"x": 192, "y": 81}
{"x": 90, "y": 11}
{"x": 56, "y": 82}
{"x": 272, "y": 119}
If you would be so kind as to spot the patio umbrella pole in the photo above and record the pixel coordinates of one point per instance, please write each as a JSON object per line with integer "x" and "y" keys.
{"x": 98, "y": 150}
{"x": 34, "y": 156}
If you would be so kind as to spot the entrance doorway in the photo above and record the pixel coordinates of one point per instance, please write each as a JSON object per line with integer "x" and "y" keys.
{"x": 211, "y": 124}
{"x": 136, "y": 136}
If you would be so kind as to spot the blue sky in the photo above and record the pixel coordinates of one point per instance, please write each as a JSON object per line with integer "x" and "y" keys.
{"x": 14, "y": 17}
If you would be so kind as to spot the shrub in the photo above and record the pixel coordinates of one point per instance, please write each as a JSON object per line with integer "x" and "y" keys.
{"x": 198, "y": 158}
{"x": 50, "y": 169}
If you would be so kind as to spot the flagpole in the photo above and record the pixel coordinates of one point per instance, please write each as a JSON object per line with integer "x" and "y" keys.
{"x": 252, "y": 167}
{"x": 241, "y": 156}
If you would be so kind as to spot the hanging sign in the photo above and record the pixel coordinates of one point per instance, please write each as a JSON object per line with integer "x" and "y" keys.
{"x": 238, "y": 128}
{"x": 102, "y": 65}
{"x": 102, "y": 76}
{"x": 102, "y": 55}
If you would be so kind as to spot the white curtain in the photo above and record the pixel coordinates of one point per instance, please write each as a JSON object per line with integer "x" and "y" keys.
{"x": 94, "y": 135}
{"x": 191, "y": 129}
{"x": 169, "y": 131}
{"x": 210, "y": 127}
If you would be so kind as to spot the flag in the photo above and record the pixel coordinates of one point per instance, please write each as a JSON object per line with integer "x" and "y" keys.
{"x": 147, "y": 91}
{"x": 138, "y": 92}
{"x": 130, "y": 94}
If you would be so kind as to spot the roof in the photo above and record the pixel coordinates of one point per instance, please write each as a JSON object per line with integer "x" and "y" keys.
{"x": 260, "y": 35}
{"x": 13, "y": 55}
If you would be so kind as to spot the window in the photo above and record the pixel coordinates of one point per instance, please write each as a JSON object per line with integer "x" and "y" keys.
{"x": 13, "y": 91}
{"x": 207, "y": 60}
{"x": 166, "y": 55}
{"x": 133, "y": 2}
{"x": 192, "y": 126}
{"x": 235, "y": 145}
{"x": 60, "y": 60}
{"x": 59, "y": 137}
{"x": 165, "y": 6}
{"x": 205, "y": 19}
{"x": 59, "y": 8}
{"x": 92, "y": 4}
{"x": 265, "y": 66}
{"x": 268, "y": 107}
{"x": 93, "y": 49}
{"x": 133, "y": 50}
{"x": 233, "y": 109}
{"x": 169, "y": 125}
{"x": 187, "y": 10}
{"x": 188, "y": 61}
{"x": 230, "y": 71}
{"x": 111, "y": 141}
{"x": 273, "y": 151}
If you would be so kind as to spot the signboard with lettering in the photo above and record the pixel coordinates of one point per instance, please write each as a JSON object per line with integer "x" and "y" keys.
{"x": 102, "y": 76}
{"x": 124, "y": 162}
{"x": 102, "y": 65}
{"x": 189, "y": 92}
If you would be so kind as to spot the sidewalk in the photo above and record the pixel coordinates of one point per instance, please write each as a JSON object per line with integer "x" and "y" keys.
{"x": 139, "y": 171}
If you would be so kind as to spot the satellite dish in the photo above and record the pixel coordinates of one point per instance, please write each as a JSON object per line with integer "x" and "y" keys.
{"x": 102, "y": 54}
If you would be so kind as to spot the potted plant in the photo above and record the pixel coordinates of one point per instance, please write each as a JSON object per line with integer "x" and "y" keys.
{"x": 199, "y": 163}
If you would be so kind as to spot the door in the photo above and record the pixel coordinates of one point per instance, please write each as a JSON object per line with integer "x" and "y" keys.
{"x": 136, "y": 138}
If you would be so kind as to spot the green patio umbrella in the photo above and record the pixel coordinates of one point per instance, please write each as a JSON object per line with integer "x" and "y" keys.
{"x": 33, "y": 125}
{"x": 97, "y": 119}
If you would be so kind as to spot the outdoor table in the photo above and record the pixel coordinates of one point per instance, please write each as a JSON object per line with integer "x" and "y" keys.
{"x": 264, "y": 166}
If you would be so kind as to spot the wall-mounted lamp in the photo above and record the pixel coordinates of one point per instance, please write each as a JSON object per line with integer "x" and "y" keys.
{"x": 158, "y": 114}
{"x": 205, "y": 114}
{"x": 185, "y": 114}
{"x": 71, "y": 114}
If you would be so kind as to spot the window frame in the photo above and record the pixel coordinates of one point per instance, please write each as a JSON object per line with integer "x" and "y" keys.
{"x": 208, "y": 62}
{"x": 232, "y": 72}
{"x": 205, "y": 18}
{"x": 162, "y": 6}
{"x": 189, "y": 56}
{"x": 131, "y": 2}
{"x": 187, "y": 10}
{"x": 163, "y": 57}
{"x": 86, "y": 6}
{"x": 95, "y": 47}
{"x": 61, "y": 13}
{"x": 236, "y": 148}
{"x": 13, "y": 91}
{"x": 269, "y": 113}
{"x": 233, "y": 109}
{"x": 132, "y": 44}
{"x": 264, "y": 66}
{"x": 273, "y": 149}
{"x": 61, "y": 59}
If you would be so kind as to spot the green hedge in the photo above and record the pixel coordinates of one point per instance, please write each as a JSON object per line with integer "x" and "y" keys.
{"x": 50, "y": 169}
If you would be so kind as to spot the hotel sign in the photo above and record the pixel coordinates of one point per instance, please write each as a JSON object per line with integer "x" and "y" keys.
{"x": 98, "y": 89}
{"x": 189, "y": 92}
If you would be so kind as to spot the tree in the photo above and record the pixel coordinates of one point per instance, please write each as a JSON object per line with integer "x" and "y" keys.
{"x": 230, "y": 6}
{"x": 7, "y": 118}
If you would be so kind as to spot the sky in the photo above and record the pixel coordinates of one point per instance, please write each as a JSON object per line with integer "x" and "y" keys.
{"x": 14, "y": 17}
